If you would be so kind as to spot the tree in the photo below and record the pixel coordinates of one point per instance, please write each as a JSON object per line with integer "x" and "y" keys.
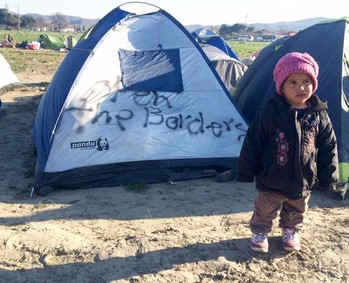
{"x": 8, "y": 20}
{"x": 28, "y": 21}
{"x": 59, "y": 21}
{"x": 250, "y": 30}
{"x": 239, "y": 28}
{"x": 225, "y": 31}
{"x": 228, "y": 31}
{"x": 40, "y": 21}
{"x": 3, "y": 16}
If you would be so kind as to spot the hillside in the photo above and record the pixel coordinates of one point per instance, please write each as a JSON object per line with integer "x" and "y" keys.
{"x": 73, "y": 20}
{"x": 278, "y": 26}
{"x": 288, "y": 26}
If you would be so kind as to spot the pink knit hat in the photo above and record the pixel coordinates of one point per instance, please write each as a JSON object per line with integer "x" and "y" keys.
{"x": 295, "y": 62}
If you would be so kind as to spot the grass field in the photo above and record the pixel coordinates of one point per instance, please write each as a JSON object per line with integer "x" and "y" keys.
{"x": 28, "y": 35}
{"x": 247, "y": 48}
{"x": 20, "y": 59}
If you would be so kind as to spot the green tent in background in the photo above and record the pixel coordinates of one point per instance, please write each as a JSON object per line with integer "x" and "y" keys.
{"x": 86, "y": 33}
{"x": 51, "y": 42}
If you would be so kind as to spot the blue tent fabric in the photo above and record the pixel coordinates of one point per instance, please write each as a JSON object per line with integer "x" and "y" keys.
{"x": 151, "y": 70}
{"x": 324, "y": 41}
{"x": 207, "y": 36}
{"x": 97, "y": 125}
{"x": 69, "y": 68}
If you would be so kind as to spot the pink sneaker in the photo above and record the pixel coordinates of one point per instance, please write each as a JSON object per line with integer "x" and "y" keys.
{"x": 259, "y": 243}
{"x": 291, "y": 240}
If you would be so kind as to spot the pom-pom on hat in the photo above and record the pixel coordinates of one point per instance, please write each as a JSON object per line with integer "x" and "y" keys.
{"x": 295, "y": 62}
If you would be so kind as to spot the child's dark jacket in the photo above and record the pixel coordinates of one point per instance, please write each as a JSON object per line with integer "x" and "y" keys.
{"x": 289, "y": 154}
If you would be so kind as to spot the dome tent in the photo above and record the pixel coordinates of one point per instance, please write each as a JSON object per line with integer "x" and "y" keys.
{"x": 136, "y": 100}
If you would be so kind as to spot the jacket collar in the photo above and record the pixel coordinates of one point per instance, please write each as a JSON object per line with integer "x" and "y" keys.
{"x": 316, "y": 104}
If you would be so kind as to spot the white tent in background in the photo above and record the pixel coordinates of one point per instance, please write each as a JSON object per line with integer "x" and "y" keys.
{"x": 8, "y": 79}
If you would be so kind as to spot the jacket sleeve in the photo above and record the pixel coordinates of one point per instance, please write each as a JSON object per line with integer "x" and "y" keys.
{"x": 327, "y": 160}
{"x": 251, "y": 154}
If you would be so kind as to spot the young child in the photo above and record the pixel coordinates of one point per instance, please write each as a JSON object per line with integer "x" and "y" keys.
{"x": 289, "y": 146}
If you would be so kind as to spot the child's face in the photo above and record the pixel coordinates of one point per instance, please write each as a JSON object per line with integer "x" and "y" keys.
{"x": 297, "y": 88}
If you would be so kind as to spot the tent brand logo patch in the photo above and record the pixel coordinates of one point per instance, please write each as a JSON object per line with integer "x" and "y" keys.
{"x": 100, "y": 144}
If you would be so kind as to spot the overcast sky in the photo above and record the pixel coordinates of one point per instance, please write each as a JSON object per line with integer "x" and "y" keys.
{"x": 187, "y": 12}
